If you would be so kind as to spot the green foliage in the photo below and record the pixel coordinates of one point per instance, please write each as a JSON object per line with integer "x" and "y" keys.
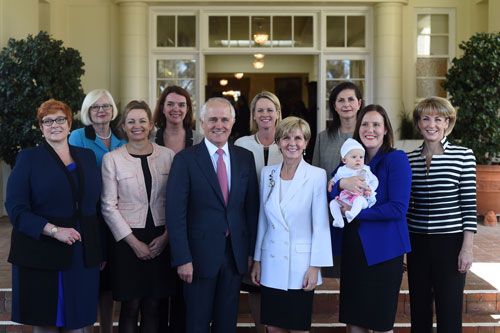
{"x": 33, "y": 70}
{"x": 408, "y": 131}
{"x": 473, "y": 82}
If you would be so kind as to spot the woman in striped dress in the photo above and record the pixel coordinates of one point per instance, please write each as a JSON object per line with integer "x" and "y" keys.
{"x": 441, "y": 219}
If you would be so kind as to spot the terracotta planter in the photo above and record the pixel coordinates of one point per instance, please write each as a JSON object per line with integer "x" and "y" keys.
{"x": 488, "y": 188}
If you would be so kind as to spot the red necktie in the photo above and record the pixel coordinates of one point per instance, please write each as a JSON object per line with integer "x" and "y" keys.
{"x": 222, "y": 175}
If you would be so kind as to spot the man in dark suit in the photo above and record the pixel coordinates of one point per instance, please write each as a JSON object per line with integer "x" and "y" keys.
{"x": 212, "y": 211}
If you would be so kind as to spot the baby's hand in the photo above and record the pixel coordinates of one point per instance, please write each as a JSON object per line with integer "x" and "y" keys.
{"x": 330, "y": 185}
{"x": 367, "y": 193}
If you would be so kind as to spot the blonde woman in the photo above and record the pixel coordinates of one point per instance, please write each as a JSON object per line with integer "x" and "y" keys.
{"x": 133, "y": 204}
{"x": 293, "y": 236}
{"x": 441, "y": 219}
{"x": 265, "y": 111}
{"x": 97, "y": 112}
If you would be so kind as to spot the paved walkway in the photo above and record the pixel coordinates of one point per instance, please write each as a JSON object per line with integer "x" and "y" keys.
{"x": 484, "y": 275}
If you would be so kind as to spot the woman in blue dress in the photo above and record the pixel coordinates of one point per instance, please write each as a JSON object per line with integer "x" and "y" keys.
{"x": 52, "y": 195}
{"x": 98, "y": 110}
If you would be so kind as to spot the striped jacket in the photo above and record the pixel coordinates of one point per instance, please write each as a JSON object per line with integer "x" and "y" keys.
{"x": 443, "y": 198}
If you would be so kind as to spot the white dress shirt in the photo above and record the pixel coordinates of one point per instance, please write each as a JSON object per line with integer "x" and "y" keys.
{"x": 212, "y": 151}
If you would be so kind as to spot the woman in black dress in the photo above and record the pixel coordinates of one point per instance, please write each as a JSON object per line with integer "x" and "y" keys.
{"x": 133, "y": 205}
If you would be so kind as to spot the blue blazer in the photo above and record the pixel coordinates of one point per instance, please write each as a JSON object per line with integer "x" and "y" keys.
{"x": 86, "y": 138}
{"x": 383, "y": 229}
{"x": 39, "y": 190}
{"x": 197, "y": 217}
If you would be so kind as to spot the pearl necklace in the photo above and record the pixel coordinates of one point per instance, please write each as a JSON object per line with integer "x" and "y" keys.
{"x": 104, "y": 138}
{"x": 258, "y": 141}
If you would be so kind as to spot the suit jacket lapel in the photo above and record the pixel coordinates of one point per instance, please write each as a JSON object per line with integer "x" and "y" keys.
{"x": 274, "y": 197}
{"x": 205, "y": 164}
{"x": 297, "y": 183}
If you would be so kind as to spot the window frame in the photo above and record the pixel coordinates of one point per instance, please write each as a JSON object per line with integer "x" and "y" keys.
{"x": 451, "y": 12}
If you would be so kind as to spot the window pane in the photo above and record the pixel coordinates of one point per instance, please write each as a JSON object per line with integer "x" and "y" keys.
{"x": 185, "y": 68}
{"x": 432, "y": 45}
{"x": 165, "y": 31}
{"x": 186, "y": 31}
{"x": 282, "y": 31}
{"x": 356, "y": 31}
{"x": 176, "y": 69}
{"x": 261, "y": 26}
{"x": 430, "y": 87}
{"x": 335, "y": 31}
{"x": 439, "y": 24}
{"x": 345, "y": 69}
{"x": 165, "y": 69}
{"x": 423, "y": 24}
{"x": 439, "y": 45}
{"x": 162, "y": 84}
{"x": 432, "y": 67}
{"x": 217, "y": 31}
{"x": 239, "y": 31}
{"x": 303, "y": 31}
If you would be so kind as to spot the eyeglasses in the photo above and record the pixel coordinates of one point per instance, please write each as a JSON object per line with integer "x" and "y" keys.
{"x": 96, "y": 107}
{"x": 58, "y": 120}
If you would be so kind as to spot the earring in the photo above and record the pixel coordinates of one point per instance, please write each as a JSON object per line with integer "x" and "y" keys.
{"x": 304, "y": 152}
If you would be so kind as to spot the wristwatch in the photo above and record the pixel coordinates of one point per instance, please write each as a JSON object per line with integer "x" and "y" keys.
{"x": 53, "y": 231}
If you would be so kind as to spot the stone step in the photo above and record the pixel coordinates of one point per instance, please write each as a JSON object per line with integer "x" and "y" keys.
{"x": 481, "y": 312}
{"x": 322, "y": 323}
{"x": 327, "y": 301}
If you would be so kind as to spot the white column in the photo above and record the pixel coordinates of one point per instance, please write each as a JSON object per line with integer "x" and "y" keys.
{"x": 133, "y": 52}
{"x": 388, "y": 59}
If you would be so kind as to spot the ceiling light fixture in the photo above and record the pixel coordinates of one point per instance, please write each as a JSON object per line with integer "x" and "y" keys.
{"x": 238, "y": 75}
{"x": 261, "y": 38}
{"x": 223, "y": 82}
{"x": 258, "y": 64}
{"x": 259, "y": 56}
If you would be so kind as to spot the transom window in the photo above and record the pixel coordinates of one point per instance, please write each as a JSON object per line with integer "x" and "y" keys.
{"x": 260, "y": 31}
{"x": 345, "y": 31}
{"x": 176, "y": 31}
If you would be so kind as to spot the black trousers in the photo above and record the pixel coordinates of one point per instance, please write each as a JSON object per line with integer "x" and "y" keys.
{"x": 433, "y": 276}
{"x": 214, "y": 300}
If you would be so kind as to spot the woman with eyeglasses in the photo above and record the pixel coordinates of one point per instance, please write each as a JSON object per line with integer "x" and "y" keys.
{"x": 52, "y": 196}
{"x": 98, "y": 110}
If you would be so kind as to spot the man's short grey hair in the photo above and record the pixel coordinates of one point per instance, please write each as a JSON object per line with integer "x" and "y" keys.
{"x": 216, "y": 99}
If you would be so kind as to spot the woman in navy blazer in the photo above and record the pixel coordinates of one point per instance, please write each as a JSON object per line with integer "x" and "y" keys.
{"x": 52, "y": 195}
{"x": 375, "y": 242}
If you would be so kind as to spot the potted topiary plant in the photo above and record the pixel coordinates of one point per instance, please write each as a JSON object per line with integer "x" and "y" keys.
{"x": 32, "y": 70}
{"x": 473, "y": 83}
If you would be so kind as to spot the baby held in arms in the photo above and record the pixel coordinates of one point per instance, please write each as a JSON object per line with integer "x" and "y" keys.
{"x": 353, "y": 156}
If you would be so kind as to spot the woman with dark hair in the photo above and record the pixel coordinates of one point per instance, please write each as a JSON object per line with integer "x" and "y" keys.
{"x": 344, "y": 102}
{"x": 133, "y": 204}
{"x": 55, "y": 251}
{"x": 374, "y": 243}
{"x": 173, "y": 118}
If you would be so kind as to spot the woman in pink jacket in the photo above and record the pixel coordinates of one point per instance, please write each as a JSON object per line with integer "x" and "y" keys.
{"x": 133, "y": 205}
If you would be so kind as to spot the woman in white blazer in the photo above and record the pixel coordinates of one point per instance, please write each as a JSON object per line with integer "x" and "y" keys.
{"x": 266, "y": 115}
{"x": 293, "y": 237}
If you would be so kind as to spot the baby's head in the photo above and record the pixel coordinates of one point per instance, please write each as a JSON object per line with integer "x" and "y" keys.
{"x": 353, "y": 154}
